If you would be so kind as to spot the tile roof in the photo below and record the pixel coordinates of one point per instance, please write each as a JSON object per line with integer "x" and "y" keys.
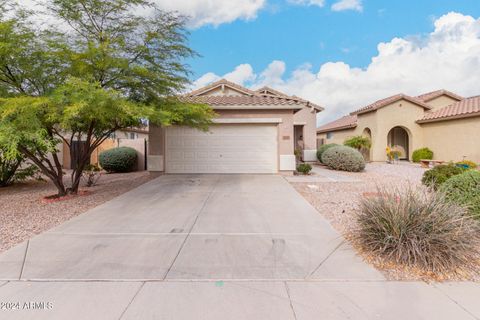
{"x": 435, "y": 94}
{"x": 249, "y": 97}
{"x": 345, "y": 122}
{"x": 257, "y": 100}
{"x": 385, "y": 102}
{"x": 469, "y": 107}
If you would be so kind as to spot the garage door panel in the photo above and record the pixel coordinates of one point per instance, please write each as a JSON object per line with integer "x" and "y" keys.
{"x": 224, "y": 149}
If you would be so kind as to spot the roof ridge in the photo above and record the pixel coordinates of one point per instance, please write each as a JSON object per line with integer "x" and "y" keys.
{"x": 389, "y": 100}
{"x": 222, "y": 81}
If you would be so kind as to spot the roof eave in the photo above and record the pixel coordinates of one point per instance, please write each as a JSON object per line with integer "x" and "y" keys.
{"x": 460, "y": 116}
{"x": 350, "y": 126}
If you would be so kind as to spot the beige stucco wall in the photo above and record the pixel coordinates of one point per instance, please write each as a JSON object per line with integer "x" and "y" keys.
{"x": 309, "y": 117}
{"x": 454, "y": 139}
{"x": 440, "y": 102}
{"x": 401, "y": 113}
{"x": 337, "y": 137}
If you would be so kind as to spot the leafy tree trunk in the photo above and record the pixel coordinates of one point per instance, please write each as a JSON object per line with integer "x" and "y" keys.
{"x": 53, "y": 171}
{"x": 7, "y": 170}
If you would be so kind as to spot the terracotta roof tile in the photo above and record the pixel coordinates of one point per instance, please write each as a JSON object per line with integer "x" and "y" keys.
{"x": 469, "y": 107}
{"x": 250, "y": 98}
{"x": 384, "y": 102}
{"x": 345, "y": 122}
{"x": 435, "y": 94}
{"x": 259, "y": 100}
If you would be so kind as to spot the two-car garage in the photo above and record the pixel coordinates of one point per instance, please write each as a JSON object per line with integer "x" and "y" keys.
{"x": 225, "y": 148}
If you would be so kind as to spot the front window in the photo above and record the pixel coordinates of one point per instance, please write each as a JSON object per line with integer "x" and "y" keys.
{"x": 329, "y": 135}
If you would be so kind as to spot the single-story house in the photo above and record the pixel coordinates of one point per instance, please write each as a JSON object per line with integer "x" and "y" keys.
{"x": 254, "y": 132}
{"x": 443, "y": 121}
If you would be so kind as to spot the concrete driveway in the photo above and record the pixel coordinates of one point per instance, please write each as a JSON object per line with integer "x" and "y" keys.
{"x": 210, "y": 247}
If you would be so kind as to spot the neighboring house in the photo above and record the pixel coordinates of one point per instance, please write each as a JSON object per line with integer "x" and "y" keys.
{"x": 136, "y": 138}
{"x": 254, "y": 132}
{"x": 441, "y": 120}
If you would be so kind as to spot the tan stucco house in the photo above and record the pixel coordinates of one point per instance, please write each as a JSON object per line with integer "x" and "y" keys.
{"x": 445, "y": 122}
{"x": 254, "y": 132}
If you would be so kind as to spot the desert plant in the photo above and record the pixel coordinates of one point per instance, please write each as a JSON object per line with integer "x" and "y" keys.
{"x": 416, "y": 227}
{"x": 91, "y": 175}
{"x": 324, "y": 148}
{"x": 344, "y": 158}
{"x": 121, "y": 159}
{"x": 467, "y": 164}
{"x": 439, "y": 174}
{"x": 464, "y": 190}
{"x": 304, "y": 168}
{"x": 358, "y": 142}
{"x": 422, "y": 153}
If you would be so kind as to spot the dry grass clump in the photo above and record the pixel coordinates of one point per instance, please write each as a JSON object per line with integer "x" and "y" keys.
{"x": 418, "y": 228}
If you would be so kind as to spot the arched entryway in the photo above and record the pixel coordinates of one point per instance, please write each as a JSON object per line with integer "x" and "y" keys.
{"x": 398, "y": 138}
{"x": 367, "y": 153}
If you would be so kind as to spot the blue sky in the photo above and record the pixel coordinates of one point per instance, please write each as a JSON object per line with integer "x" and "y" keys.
{"x": 299, "y": 34}
{"x": 340, "y": 54}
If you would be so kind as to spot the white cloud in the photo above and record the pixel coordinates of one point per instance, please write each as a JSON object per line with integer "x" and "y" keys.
{"x": 214, "y": 12}
{"x": 242, "y": 74}
{"x": 319, "y": 3}
{"x": 448, "y": 58}
{"x": 348, "y": 5}
{"x": 201, "y": 12}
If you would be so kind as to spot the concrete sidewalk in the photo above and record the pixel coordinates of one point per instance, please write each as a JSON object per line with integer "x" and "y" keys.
{"x": 210, "y": 247}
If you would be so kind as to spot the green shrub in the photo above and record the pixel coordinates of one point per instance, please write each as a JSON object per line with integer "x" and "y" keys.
{"x": 358, "y": 142}
{"x": 467, "y": 164}
{"x": 123, "y": 159}
{"x": 304, "y": 168}
{"x": 344, "y": 158}
{"x": 418, "y": 228}
{"x": 423, "y": 153}
{"x": 324, "y": 148}
{"x": 439, "y": 174}
{"x": 15, "y": 170}
{"x": 464, "y": 190}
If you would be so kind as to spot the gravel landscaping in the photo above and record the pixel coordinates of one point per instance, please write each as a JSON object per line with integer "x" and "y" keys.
{"x": 337, "y": 200}
{"x": 25, "y": 213}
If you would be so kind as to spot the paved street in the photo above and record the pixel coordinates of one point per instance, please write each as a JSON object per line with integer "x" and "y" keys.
{"x": 211, "y": 247}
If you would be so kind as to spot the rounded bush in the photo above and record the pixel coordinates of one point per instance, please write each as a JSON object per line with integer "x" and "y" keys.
{"x": 324, "y": 148}
{"x": 464, "y": 190}
{"x": 344, "y": 158}
{"x": 123, "y": 159}
{"x": 436, "y": 176}
{"x": 423, "y": 153}
{"x": 304, "y": 168}
{"x": 418, "y": 228}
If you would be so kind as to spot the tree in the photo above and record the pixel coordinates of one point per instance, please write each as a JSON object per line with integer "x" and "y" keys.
{"x": 110, "y": 70}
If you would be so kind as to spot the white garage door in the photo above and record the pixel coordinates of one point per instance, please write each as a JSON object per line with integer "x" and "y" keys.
{"x": 224, "y": 149}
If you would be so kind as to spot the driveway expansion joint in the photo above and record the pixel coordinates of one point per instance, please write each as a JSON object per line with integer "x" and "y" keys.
{"x": 324, "y": 260}
{"x": 290, "y": 300}
{"x": 191, "y": 228}
{"x": 131, "y": 301}
{"x": 24, "y": 260}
